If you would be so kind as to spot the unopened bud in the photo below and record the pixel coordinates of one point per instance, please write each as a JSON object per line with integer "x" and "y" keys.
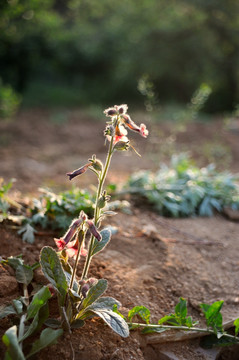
{"x": 102, "y": 200}
{"x": 122, "y": 146}
{"x": 84, "y": 290}
{"x": 72, "y": 230}
{"x": 92, "y": 281}
{"x": 109, "y": 130}
{"x": 94, "y": 230}
{"x": 96, "y": 163}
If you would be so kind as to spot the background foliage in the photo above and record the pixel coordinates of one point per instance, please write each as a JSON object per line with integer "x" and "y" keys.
{"x": 78, "y": 51}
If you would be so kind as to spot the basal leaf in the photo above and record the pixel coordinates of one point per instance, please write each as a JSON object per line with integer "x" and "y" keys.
{"x": 11, "y": 341}
{"x": 76, "y": 324}
{"x": 236, "y": 324}
{"x": 104, "y": 303}
{"x": 115, "y": 321}
{"x": 7, "y": 310}
{"x": 14, "y": 262}
{"x": 24, "y": 274}
{"x": 95, "y": 292}
{"x": 39, "y": 299}
{"x": 18, "y": 306}
{"x": 48, "y": 337}
{"x": 142, "y": 311}
{"x": 52, "y": 269}
{"x": 100, "y": 245}
{"x": 53, "y": 323}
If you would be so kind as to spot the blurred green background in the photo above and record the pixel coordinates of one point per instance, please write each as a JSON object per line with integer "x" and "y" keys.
{"x": 80, "y": 52}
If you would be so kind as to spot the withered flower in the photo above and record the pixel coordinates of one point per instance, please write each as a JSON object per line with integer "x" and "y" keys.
{"x": 79, "y": 171}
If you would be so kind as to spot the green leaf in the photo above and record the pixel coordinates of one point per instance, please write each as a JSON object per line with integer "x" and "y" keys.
{"x": 52, "y": 269}
{"x": 100, "y": 245}
{"x": 7, "y": 310}
{"x": 142, "y": 311}
{"x": 78, "y": 323}
{"x": 18, "y": 306}
{"x": 14, "y": 262}
{"x": 115, "y": 321}
{"x": 213, "y": 315}
{"x": 106, "y": 302}
{"x": 168, "y": 319}
{"x": 39, "y": 299}
{"x": 210, "y": 341}
{"x": 95, "y": 292}
{"x": 48, "y": 337}
{"x": 24, "y": 274}
{"x": 28, "y": 233}
{"x": 181, "y": 310}
{"x": 52, "y": 323}
{"x": 14, "y": 351}
{"x": 149, "y": 330}
{"x": 236, "y": 324}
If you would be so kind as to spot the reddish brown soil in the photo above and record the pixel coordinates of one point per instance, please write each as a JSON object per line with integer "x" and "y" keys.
{"x": 151, "y": 261}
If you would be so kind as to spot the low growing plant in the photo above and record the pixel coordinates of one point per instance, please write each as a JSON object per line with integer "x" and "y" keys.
{"x": 182, "y": 189}
{"x": 31, "y": 311}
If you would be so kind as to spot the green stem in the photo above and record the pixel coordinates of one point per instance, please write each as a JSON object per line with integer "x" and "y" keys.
{"x": 97, "y": 210}
{"x": 81, "y": 241}
{"x": 169, "y": 327}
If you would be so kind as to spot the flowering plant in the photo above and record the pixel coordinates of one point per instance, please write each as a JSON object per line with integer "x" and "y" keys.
{"x": 79, "y": 299}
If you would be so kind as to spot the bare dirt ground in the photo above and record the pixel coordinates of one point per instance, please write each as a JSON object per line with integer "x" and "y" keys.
{"x": 151, "y": 260}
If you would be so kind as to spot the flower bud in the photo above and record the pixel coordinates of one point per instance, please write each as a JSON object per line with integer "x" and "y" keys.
{"x": 102, "y": 200}
{"x": 110, "y": 111}
{"x": 92, "y": 281}
{"x": 94, "y": 230}
{"x": 109, "y": 130}
{"x": 122, "y": 146}
{"x": 96, "y": 163}
{"x": 72, "y": 230}
{"x": 84, "y": 290}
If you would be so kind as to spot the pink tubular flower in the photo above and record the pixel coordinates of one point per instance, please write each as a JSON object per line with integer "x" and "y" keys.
{"x": 72, "y": 249}
{"x": 79, "y": 171}
{"x": 60, "y": 243}
{"x": 132, "y": 126}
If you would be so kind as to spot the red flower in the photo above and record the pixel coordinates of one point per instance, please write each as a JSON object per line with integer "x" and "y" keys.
{"x": 71, "y": 248}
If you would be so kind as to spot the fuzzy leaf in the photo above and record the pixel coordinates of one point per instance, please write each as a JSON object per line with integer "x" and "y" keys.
{"x": 115, "y": 321}
{"x": 77, "y": 324}
{"x": 48, "y": 337}
{"x": 24, "y": 274}
{"x": 52, "y": 323}
{"x": 104, "y": 303}
{"x": 39, "y": 299}
{"x": 7, "y": 310}
{"x": 95, "y": 292}
{"x": 52, "y": 269}
{"x": 18, "y": 306}
{"x": 13, "y": 349}
{"x": 142, "y": 311}
{"x": 100, "y": 245}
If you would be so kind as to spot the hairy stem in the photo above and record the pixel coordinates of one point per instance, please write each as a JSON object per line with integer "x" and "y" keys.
{"x": 97, "y": 209}
{"x": 81, "y": 241}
